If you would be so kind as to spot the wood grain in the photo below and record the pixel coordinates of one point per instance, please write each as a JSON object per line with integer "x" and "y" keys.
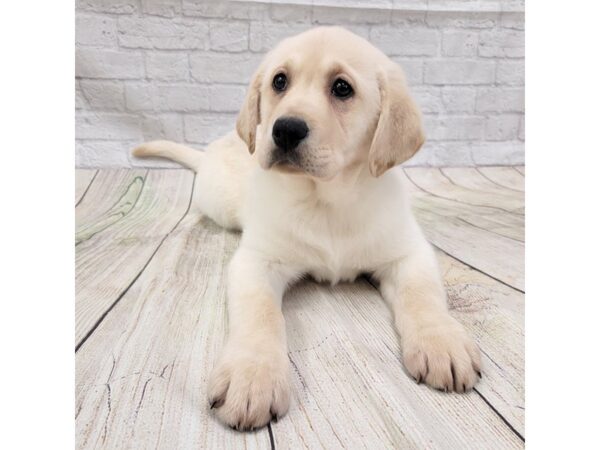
{"x": 476, "y": 181}
{"x": 494, "y": 314}
{"x": 142, "y": 375}
{"x": 157, "y": 282}
{"x": 120, "y": 223}
{"x": 506, "y": 177}
{"x": 462, "y": 220}
{"x": 351, "y": 389}
{"x": 447, "y": 184}
{"x": 83, "y": 179}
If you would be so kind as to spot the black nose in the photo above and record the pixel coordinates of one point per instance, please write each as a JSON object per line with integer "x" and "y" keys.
{"x": 288, "y": 132}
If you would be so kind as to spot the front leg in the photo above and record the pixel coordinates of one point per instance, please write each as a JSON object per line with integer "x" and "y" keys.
{"x": 251, "y": 382}
{"x": 436, "y": 348}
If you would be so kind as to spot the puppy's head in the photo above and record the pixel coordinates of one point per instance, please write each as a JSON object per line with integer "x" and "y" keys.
{"x": 326, "y": 100}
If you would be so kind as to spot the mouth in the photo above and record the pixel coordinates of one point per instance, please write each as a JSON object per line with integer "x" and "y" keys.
{"x": 284, "y": 162}
{"x": 285, "y": 167}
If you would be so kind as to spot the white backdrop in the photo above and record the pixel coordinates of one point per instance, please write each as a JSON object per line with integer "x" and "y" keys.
{"x": 178, "y": 69}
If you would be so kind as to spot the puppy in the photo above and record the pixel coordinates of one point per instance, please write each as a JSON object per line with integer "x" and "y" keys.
{"x": 307, "y": 179}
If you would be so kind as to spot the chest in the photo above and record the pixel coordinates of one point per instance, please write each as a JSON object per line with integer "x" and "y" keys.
{"x": 329, "y": 243}
{"x": 332, "y": 231}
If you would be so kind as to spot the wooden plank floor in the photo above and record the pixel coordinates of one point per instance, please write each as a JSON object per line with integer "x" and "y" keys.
{"x": 151, "y": 320}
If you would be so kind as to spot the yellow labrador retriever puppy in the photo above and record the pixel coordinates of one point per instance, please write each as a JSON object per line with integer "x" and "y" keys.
{"x": 307, "y": 179}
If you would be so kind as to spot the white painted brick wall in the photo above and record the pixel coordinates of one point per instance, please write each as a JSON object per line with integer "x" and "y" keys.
{"x": 178, "y": 69}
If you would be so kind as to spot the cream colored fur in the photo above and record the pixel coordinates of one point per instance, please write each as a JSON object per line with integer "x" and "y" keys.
{"x": 337, "y": 213}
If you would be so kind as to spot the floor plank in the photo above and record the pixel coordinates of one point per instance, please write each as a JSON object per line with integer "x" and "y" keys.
{"x": 142, "y": 375}
{"x": 506, "y": 177}
{"x": 440, "y": 183}
{"x": 83, "y": 179}
{"x": 494, "y": 314}
{"x": 351, "y": 390}
{"x": 120, "y": 223}
{"x": 462, "y": 220}
{"x": 520, "y": 169}
{"x": 473, "y": 178}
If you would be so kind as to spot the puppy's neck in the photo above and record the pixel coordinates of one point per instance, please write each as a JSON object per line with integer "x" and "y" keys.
{"x": 353, "y": 185}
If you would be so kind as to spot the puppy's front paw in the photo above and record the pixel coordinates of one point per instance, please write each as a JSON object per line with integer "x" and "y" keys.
{"x": 442, "y": 354}
{"x": 249, "y": 387}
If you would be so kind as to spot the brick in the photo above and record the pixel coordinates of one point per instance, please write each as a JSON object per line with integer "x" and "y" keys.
{"x": 290, "y": 13}
{"x": 97, "y": 31}
{"x": 181, "y": 98}
{"x": 164, "y": 8}
{"x": 406, "y": 42}
{"x": 439, "y": 154}
{"x": 140, "y": 97}
{"x": 102, "y": 154}
{"x": 326, "y": 15}
{"x": 498, "y": 153}
{"x": 224, "y": 68}
{"x": 453, "y": 128}
{"x": 409, "y": 17}
{"x": 162, "y": 126}
{"x": 229, "y": 36}
{"x": 106, "y": 95}
{"x": 428, "y": 99}
{"x": 80, "y": 101}
{"x": 409, "y": 5}
{"x": 265, "y": 36}
{"x": 375, "y": 4}
{"x": 107, "y": 126}
{"x": 468, "y": 153}
{"x": 522, "y": 128}
{"x": 222, "y": 9}
{"x": 206, "y": 128}
{"x": 500, "y": 100}
{"x": 162, "y": 33}
{"x": 502, "y": 127}
{"x": 459, "y": 43}
{"x": 109, "y": 6}
{"x": 226, "y": 98}
{"x": 462, "y": 19}
{"x": 458, "y": 100}
{"x": 459, "y": 72}
{"x": 100, "y": 63}
{"x": 412, "y": 68}
{"x": 510, "y": 73}
{"x": 514, "y": 20}
{"x": 502, "y": 43}
{"x": 167, "y": 66}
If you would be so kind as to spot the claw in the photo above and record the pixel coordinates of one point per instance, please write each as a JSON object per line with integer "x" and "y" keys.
{"x": 274, "y": 416}
{"x": 216, "y": 403}
{"x": 454, "y": 384}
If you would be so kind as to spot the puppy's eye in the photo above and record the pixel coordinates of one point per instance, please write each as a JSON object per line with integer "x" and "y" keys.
{"x": 341, "y": 89}
{"x": 279, "y": 82}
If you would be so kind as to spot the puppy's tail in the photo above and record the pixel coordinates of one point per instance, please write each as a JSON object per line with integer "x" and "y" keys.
{"x": 180, "y": 153}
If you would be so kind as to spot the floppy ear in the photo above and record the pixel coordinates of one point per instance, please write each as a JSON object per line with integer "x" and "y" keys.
{"x": 399, "y": 133}
{"x": 249, "y": 116}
